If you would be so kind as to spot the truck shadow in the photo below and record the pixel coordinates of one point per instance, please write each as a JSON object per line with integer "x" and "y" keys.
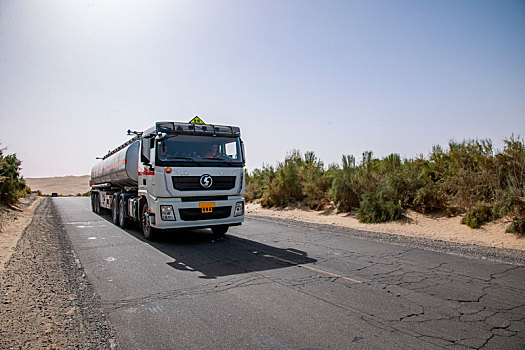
{"x": 197, "y": 250}
{"x": 229, "y": 256}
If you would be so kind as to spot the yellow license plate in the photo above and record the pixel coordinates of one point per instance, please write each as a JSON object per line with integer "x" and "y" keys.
{"x": 207, "y": 207}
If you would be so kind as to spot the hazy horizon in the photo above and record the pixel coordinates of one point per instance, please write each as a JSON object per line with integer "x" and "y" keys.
{"x": 498, "y": 146}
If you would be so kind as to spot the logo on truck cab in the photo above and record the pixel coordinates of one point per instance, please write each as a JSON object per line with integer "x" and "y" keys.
{"x": 206, "y": 181}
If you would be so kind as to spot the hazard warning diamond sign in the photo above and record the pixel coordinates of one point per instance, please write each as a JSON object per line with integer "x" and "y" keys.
{"x": 196, "y": 120}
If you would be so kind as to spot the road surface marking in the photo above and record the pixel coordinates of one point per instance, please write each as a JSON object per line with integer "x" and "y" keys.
{"x": 311, "y": 268}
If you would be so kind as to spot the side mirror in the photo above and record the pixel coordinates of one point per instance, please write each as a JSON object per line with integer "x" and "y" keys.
{"x": 242, "y": 150}
{"x": 144, "y": 151}
{"x": 161, "y": 136}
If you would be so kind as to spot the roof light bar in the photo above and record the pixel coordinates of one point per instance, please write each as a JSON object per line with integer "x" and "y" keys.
{"x": 200, "y": 129}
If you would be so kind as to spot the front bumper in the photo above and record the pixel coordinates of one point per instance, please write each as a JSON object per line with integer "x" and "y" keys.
{"x": 192, "y": 214}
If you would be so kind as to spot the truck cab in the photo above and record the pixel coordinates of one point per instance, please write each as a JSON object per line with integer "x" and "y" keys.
{"x": 192, "y": 175}
{"x": 189, "y": 175}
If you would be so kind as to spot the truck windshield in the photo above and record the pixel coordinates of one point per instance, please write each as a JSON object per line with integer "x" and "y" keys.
{"x": 189, "y": 150}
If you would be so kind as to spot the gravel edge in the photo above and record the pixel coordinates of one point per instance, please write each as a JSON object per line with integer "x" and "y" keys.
{"x": 46, "y": 301}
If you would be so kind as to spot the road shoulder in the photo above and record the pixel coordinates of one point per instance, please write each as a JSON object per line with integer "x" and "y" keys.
{"x": 502, "y": 255}
{"x": 46, "y": 300}
{"x": 13, "y": 220}
{"x": 413, "y": 224}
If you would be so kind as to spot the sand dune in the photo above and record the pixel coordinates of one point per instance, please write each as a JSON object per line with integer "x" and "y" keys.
{"x": 65, "y": 185}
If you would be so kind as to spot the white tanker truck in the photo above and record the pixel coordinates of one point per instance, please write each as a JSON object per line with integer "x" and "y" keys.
{"x": 174, "y": 175}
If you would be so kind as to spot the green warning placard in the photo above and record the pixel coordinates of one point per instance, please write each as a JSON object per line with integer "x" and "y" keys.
{"x": 196, "y": 120}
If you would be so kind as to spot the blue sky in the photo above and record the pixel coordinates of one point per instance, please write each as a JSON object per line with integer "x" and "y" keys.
{"x": 334, "y": 77}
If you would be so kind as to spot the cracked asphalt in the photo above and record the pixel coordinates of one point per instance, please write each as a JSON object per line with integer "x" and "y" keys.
{"x": 283, "y": 285}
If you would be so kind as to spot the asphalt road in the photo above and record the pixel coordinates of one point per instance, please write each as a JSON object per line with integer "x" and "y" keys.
{"x": 275, "y": 286}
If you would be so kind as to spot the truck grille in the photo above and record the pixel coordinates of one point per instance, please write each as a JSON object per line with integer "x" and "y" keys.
{"x": 204, "y": 198}
{"x": 192, "y": 183}
{"x": 196, "y": 214}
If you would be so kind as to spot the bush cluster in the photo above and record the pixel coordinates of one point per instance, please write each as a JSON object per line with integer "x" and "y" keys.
{"x": 469, "y": 177}
{"x": 297, "y": 178}
{"x": 12, "y": 185}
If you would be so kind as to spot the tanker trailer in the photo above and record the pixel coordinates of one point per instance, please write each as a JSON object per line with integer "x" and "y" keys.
{"x": 173, "y": 175}
{"x": 118, "y": 169}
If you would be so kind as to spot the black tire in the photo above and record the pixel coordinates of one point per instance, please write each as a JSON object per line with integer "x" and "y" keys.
{"x": 99, "y": 208}
{"x": 97, "y": 204}
{"x": 150, "y": 233}
{"x": 220, "y": 231}
{"x": 93, "y": 199}
{"x": 115, "y": 210}
{"x": 122, "y": 220}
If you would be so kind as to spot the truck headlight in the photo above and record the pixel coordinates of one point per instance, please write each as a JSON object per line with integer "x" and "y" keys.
{"x": 239, "y": 209}
{"x": 166, "y": 213}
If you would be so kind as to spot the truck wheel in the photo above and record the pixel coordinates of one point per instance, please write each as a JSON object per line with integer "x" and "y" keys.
{"x": 114, "y": 210}
{"x": 93, "y": 199}
{"x": 219, "y": 231}
{"x": 97, "y": 204}
{"x": 148, "y": 231}
{"x": 122, "y": 220}
{"x": 99, "y": 208}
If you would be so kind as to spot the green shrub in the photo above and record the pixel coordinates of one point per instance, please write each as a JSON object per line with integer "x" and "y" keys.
{"x": 376, "y": 207}
{"x": 344, "y": 191}
{"x": 453, "y": 180}
{"x": 423, "y": 192}
{"x": 12, "y": 185}
{"x": 508, "y": 201}
{"x": 471, "y": 174}
{"x": 510, "y": 196}
{"x": 352, "y": 181}
{"x": 258, "y": 183}
{"x": 26, "y": 190}
{"x": 315, "y": 182}
{"x": 400, "y": 183}
{"x": 517, "y": 226}
{"x": 285, "y": 187}
{"x": 477, "y": 216}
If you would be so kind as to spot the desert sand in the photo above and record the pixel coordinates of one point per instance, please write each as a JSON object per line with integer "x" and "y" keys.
{"x": 65, "y": 185}
{"x": 13, "y": 221}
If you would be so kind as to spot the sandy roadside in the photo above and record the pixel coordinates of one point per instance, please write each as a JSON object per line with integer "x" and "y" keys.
{"x": 46, "y": 301}
{"x": 12, "y": 224}
{"x": 415, "y": 225}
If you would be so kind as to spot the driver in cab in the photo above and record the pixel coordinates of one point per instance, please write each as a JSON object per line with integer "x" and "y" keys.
{"x": 167, "y": 152}
{"x": 213, "y": 152}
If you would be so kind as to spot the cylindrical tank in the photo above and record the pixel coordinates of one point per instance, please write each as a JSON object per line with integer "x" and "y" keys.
{"x": 120, "y": 169}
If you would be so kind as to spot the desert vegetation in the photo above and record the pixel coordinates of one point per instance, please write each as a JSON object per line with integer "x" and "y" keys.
{"x": 12, "y": 185}
{"x": 468, "y": 177}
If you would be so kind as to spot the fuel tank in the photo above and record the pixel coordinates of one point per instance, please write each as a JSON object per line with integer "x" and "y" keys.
{"x": 119, "y": 169}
